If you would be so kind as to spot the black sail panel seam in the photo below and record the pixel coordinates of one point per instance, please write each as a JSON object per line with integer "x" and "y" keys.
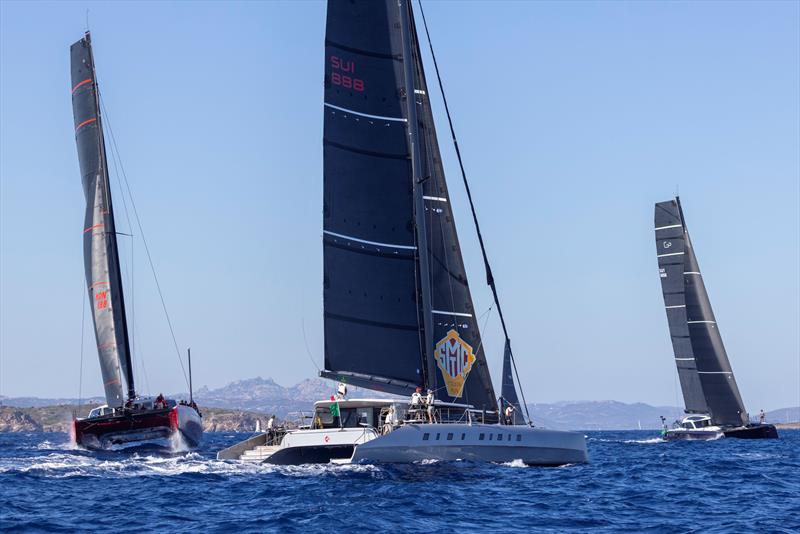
{"x": 333, "y": 144}
{"x": 361, "y": 51}
{"x": 368, "y": 322}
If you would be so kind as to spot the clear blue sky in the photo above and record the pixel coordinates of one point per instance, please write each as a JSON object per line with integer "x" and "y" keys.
{"x": 574, "y": 118}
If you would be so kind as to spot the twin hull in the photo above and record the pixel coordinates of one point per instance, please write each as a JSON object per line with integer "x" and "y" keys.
{"x": 443, "y": 442}
{"x": 137, "y": 428}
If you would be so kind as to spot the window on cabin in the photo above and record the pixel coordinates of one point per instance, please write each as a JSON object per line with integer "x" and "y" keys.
{"x": 449, "y": 436}
{"x": 463, "y": 436}
{"x": 519, "y": 437}
{"x": 438, "y": 436}
{"x": 426, "y": 436}
{"x": 499, "y": 437}
{"x": 480, "y": 438}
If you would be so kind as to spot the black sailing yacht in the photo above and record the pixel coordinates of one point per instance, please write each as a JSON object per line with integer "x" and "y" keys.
{"x": 714, "y": 406}
{"x": 398, "y": 313}
{"x": 126, "y": 418}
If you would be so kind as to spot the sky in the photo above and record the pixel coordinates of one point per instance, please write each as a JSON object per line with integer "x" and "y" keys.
{"x": 573, "y": 118}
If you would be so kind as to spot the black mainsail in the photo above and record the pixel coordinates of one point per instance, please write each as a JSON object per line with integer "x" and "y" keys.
{"x": 398, "y": 310}
{"x": 100, "y": 254}
{"x": 704, "y": 371}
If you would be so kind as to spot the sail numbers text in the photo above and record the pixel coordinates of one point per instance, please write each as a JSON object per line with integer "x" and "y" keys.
{"x": 345, "y": 78}
{"x": 101, "y": 299}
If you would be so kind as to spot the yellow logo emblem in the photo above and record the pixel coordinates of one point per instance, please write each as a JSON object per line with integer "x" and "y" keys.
{"x": 454, "y": 357}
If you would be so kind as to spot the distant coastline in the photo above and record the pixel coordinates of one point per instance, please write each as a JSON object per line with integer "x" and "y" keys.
{"x": 237, "y": 406}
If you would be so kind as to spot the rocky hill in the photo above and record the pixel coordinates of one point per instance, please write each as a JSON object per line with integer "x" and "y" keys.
{"x": 236, "y": 406}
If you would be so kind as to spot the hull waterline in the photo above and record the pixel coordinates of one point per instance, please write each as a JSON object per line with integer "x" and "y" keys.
{"x": 179, "y": 425}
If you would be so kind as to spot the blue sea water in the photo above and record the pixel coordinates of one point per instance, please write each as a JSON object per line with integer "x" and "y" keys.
{"x": 634, "y": 483}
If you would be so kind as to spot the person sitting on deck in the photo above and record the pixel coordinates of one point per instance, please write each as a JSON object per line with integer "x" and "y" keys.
{"x": 429, "y": 401}
{"x": 160, "y": 403}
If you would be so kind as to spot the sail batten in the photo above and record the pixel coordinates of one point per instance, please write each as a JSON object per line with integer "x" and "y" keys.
{"x": 101, "y": 256}
{"x": 705, "y": 374}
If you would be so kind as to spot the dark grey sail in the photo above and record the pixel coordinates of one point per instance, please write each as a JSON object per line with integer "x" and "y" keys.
{"x": 508, "y": 392}
{"x": 705, "y": 373}
{"x": 451, "y": 300}
{"x": 100, "y": 254}
{"x": 375, "y": 281}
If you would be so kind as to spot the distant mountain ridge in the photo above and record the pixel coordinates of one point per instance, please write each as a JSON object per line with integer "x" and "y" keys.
{"x": 265, "y": 396}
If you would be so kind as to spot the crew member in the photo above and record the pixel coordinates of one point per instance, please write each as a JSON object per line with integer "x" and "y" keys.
{"x": 341, "y": 392}
{"x": 416, "y": 401}
{"x": 271, "y": 430}
{"x": 429, "y": 401}
{"x": 509, "y": 413}
{"x": 391, "y": 419}
{"x": 762, "y": 417}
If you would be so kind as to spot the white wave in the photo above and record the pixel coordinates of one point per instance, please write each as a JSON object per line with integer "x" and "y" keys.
{"x": 515, "y": 463}
{"x": 645, "y": 441}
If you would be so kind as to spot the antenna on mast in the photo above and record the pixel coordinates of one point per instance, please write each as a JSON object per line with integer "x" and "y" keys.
{"x": 87, "y": 20}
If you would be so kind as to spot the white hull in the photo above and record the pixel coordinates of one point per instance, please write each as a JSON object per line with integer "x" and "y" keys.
{"x": 450, "y": 442}
{"x": 417, "y": 442}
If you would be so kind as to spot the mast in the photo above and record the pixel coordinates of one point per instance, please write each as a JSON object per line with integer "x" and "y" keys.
{"x": 101, "y": 253}
{"x": 419, "y": 202}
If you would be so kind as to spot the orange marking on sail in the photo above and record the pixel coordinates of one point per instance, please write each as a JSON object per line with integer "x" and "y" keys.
{"x": 87, "y": 80}
{"x": 84, "y": 123}
{"x": 93, "y": 227}
{"x": 109, "y": 345}
{"x": 99, "y": 284}
{"x": 115, "y": 381}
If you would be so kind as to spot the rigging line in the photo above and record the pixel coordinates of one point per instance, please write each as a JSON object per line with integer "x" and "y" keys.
{"x": 135, "y": 355}
{"x": 83, "y": 320}
{"x": 489, "y": 277}
{"x": 305, "y": 341}
{"x": 146, "y": 248}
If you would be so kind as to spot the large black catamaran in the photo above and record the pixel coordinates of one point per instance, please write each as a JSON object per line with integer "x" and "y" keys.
{"x": 126, "y": 418}
{"x": 712, "y": 399}
{"x": 398, "y": 313}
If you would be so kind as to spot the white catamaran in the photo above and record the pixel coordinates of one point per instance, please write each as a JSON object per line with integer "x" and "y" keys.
{"x": 398, "y": 313}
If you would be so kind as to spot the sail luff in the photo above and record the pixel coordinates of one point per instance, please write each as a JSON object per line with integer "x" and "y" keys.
{"x": 101, "y": 256}
{"x": 420, "y": 226}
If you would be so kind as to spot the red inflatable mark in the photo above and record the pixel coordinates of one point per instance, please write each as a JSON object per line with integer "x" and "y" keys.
{"x": 346, "y": 77}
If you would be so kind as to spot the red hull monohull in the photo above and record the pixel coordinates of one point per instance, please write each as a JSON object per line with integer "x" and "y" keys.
{"x": 132, "y": 428}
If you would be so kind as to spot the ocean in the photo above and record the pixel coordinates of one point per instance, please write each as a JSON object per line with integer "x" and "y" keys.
{"x": 634, "y": 483}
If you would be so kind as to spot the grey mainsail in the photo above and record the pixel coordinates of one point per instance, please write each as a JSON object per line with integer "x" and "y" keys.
{"x": 100, "y": 254}
{"x": 376, "y": 283}
{"x": 705, "y": 373}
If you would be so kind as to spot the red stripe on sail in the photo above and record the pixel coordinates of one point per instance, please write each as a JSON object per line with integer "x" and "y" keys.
{"x": 84, "y": 123}
{"x": 84, "y": 82}
{"x": 93, "y": 227}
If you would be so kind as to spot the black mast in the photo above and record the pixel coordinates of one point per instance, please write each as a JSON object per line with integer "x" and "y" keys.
{"x": 419, "y": 203}
{"x": 112, "y": 234}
